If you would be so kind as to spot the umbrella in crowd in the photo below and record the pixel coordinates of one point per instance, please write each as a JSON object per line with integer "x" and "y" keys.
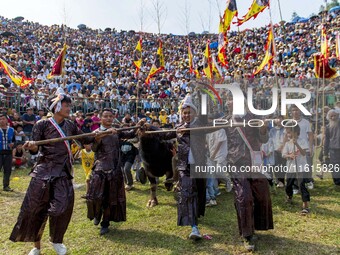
{"x": 334, "y": 9}
{"x": 70, "y": 86}
{"x": 303, "y": 20}
{"x": 19, "y": 18}
{"x": 81, "y": 26}
{"x": 7, "y": 34}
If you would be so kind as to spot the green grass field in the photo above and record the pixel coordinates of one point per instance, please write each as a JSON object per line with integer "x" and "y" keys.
{"x": 154, "y": 231}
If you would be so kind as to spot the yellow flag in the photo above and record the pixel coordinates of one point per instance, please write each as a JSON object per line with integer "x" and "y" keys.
{"x": 191, "y": 61}
{"x": 324, "y": 42}
{"x": 207, "y": 65}
{"x": 256, "y": 7}
{"x": 137, "y": 56}
{"x": 222, "y": 45}
{"x": 337, "y": 45}
{"x": 158, "y": 65}
{"x": 268, "y": 58}
{"x": 18, "y": 78}
{"x": 229, "y": 13}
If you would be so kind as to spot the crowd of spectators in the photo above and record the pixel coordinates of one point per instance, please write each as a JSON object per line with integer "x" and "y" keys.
{"x": 100, "y": 71}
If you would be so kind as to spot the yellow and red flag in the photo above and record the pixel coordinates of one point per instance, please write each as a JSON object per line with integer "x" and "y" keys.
{"x": 322, "y": 68}
{"x": 229, "y": 13}
{"x": 216, "y": 69}
{"x": 256, "y": 7}
{"x": 337, "y": 45}
{"x": 58, "y": 65}
{"x": 324, "y": 43}
{"x": 137, "y": 56}
{"x": 191, "y": 59}
{"x": 18, "y": 78}
{"x": 207, "y": 64}
{"x": 158, "y": 65}
{"x": 222, "y": 45}
{"x": 192, "y": 68}
{"x": 269, "y": 55}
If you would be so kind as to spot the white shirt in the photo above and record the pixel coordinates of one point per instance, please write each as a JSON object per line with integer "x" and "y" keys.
{"x": 301, "y": 160}
{"x": 213, "y": 139}
{"x": 305, "y": 129}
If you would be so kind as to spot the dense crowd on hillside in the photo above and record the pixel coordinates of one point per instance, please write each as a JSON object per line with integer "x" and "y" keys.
{"x": 100, "y": 71}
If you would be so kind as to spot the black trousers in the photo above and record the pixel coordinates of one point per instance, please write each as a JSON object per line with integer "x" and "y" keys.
{"x": 335, "y": 163}
{"x": 6, "y": 163}
{"x": 291, "y": 178}
{"x": 45, "y": 199}
{"x": 280, "y": 161}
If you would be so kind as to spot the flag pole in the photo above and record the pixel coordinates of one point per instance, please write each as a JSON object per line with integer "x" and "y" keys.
{"x": 274, "y": 47}
{"x": 278, "y": 1}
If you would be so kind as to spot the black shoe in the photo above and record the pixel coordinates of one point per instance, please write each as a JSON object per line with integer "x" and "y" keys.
{"x": 8, "y": 189}
{"x": 104, "y": 231}
{"x": 248, "y": 243}
{"x": 96, "y": 221}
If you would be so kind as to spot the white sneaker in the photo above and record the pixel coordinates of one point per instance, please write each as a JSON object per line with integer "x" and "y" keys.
{"x": 213, "y": 202}
{"x": 34, "y": 251}
{"x": 295, "y": 191}
{"x": 310, "y": 185}
{"x": 280, "y": 185}
{"x": 128, "y": 187}
{"x": 59, "y": 248}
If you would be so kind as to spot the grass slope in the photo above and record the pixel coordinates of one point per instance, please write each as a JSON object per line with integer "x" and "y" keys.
{"x": 154, "y": 231}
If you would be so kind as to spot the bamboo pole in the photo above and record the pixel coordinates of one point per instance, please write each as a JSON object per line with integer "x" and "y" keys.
{"x": 61, "y": 139}
{"x": 212, "y": 128}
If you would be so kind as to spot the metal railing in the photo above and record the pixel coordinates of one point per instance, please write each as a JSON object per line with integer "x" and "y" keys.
{"x": 21, "y": 102}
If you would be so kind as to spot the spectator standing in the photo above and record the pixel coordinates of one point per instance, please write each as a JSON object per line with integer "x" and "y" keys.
{"x": 332, "y": 144}
{"x": 28, "y": 120}
{"x": 7, "y": 139}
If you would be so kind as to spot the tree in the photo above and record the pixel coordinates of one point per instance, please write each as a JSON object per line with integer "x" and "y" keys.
{"x": 160, "y": 14}
{"x": 294, "y": 15}
{"x": 185, "y": 16}
{"x": 322, "y": 8}
{"x": 329, "y": 5}
{"x": 141, "y": 15}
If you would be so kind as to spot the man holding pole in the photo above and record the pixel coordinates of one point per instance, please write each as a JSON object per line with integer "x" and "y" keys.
{"x": 251, "y": 191}
{"x": 50, "y": 192}
{"x": 106, "y": 195}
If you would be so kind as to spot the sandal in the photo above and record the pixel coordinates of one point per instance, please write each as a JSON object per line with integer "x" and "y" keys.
{"x": 305, "y": 211}
{"x": 152, "y": 202}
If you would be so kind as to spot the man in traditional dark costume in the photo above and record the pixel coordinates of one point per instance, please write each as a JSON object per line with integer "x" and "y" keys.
{"x": 50, "y": 192}
{"x": 251, "y": 190}
{"x": 191, "y": 151}
{"x": 106, "y": 196}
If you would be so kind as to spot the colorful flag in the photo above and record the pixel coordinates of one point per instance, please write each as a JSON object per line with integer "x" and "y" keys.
{"x": 229, "y": 13}
{"x": 216, "y": 69}
{"x": 207, "y": 65}
{"x": 256, "y": 7}
{"x": 192, "y": 69}
{"x": 58, "y": 65}
{"x": 222, "y": 45}
{"x": 322, "y": 68}
{"x": 158, "y": 65}
{"x": 269, "y": 55}
{"x": 337, "y": 45}
{"x": 191, "y": 59}
{"x": 324, "y": 42}
{"x": 137, "y": 56}
{"x": 17, "y": 77}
